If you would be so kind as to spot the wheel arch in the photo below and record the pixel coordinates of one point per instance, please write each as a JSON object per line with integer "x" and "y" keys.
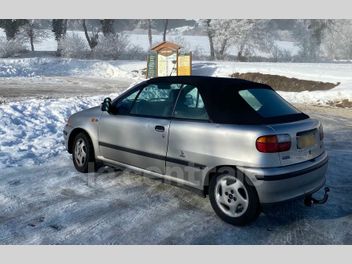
{"x": 214, "y": 172}
{"x": 232, "y": 169}
{"x": 72, "y": 136}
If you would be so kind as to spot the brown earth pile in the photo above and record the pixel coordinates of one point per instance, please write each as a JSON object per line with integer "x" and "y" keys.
{"x": 282, "y": 83}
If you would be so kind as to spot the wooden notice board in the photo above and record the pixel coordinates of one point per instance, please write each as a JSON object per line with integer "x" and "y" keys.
{"x": 152, "y": 65}
{"x": 167, "y": 64}
{"x": 184, "y": 64}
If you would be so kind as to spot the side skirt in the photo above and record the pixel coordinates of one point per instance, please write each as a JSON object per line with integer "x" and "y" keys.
{"x": 154, "y": 176}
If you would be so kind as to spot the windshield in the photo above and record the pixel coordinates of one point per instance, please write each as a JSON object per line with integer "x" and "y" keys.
{"x": 267, "y": 103}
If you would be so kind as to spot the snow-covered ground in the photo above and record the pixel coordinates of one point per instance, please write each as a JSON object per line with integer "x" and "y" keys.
{"x": 53, "y": 204}
{"x": 44, "y": 200}
{"x": 32, "y": 72}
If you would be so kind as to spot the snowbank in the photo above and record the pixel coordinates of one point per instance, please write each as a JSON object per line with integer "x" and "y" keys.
{"x": 46, "y": 67}
{"x": 31, "y": 131}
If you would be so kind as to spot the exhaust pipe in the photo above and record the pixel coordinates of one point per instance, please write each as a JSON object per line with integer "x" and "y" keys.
{"x": 310, "y": 200}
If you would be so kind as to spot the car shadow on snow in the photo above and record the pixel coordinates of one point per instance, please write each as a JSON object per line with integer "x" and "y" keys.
{"x": 292, "y": 211}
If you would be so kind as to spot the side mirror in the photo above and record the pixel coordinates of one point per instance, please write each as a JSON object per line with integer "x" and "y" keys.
{"x": 106, "y": 105}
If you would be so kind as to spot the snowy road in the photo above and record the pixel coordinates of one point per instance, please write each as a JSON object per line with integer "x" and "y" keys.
{"x": 53, "y": 204}
{"x": 14, "y": 89}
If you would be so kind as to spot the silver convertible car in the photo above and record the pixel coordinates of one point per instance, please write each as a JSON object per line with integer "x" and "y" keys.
{"x": 236, "y": 141}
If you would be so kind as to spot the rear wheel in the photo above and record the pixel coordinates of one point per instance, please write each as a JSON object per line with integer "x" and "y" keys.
{"x": 234, "y": 199}
{"x": 83, "y": 153}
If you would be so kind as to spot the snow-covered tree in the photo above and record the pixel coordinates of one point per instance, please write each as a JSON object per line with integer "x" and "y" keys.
{"x": 218, "y": 34}
{"x": 10, "y": 48}
{"x": 337, "y": 42}
{"x": 251, "y": 35}
{"x": 244, "y": 34}
{"x": 73, "y": 46}
{"x": 111, "y": 46}
{"x": 310, "y": 33}
{"x": 33, "y": 32}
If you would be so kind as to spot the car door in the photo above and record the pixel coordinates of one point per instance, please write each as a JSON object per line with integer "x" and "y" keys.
{"x": 136, "y": 133}
{"x": 190, "y": 140}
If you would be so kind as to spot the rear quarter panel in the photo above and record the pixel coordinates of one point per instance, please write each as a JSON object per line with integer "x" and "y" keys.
{"x": 215, "y": 145}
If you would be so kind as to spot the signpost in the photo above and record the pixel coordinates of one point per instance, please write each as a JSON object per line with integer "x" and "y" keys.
{"x": 164, "y": 60}
{"x": 152, "y": 65}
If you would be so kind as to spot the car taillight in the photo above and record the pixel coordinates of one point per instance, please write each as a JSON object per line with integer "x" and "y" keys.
{"x": 321, "y": 132}
{"x": 273, "y": 143}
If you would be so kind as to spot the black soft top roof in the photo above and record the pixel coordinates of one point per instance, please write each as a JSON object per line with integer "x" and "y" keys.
{"x": 222, "y": 101}
{"x": 204, "y": 81}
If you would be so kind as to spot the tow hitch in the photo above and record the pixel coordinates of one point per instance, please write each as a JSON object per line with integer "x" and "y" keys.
{"x": 309, "y": 199}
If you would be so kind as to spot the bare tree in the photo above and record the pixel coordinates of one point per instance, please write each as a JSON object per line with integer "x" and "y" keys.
{"x": 165, "y": 29}
{"x": 91, "y": 39}
{"x": 148, "y": 25}
{"x": 150, "y": 35}
{"x": 210, "y": 33}
{"x": 33, "y": 32}
{"x": 30, "y": 32}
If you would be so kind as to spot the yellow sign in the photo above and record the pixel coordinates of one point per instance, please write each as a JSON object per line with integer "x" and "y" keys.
{"x": 184, "y": 65}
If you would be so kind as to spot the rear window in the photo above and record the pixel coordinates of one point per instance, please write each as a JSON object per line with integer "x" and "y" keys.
{"x": 242, "y": 103}
{"x": 267, "y": 103}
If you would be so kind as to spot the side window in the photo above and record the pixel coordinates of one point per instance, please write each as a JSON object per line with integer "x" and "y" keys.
{"x": 190, "y": 104}
{"x": 123, "y": 106}
{"x": 156, "y": 100}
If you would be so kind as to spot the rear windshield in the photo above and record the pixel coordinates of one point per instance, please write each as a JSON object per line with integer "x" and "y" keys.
{"x": 247, "y": 105}
{"x": 267, "y": 103}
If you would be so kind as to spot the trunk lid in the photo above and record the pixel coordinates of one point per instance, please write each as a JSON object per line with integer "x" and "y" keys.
{"x": 305, "y": 141}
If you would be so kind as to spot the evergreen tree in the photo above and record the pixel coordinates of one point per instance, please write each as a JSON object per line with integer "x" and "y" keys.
{"x": 59, "y": 28}
{"x": 107, "y": 26}
{"x": 12, "y": 26}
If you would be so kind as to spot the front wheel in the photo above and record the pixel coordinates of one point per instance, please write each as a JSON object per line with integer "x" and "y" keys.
{"x": 234, "y": 199}
{"x": 83, "y": 153}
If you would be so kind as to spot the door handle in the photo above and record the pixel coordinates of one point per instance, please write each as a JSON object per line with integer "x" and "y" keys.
{"x": 159, "y": 128}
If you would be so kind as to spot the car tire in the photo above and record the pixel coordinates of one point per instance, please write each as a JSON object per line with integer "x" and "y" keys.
{"x": 83, "y": 153}
{"x": 234, "y": 198}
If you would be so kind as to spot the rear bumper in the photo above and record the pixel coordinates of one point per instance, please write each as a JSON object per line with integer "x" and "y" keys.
{"x": 285, "y": 183}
